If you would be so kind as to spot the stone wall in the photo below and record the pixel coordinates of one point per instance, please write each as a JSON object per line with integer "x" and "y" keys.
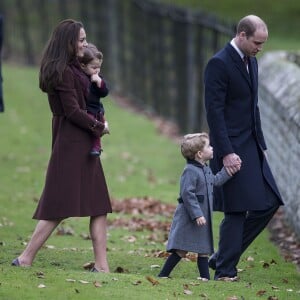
{"x": 279, "y": 102}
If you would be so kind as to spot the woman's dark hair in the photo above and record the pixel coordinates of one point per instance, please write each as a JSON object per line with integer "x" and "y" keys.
{"x": 59, "y": 51}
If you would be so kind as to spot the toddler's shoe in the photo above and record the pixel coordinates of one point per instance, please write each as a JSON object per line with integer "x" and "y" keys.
{"x": 94, "y": 152}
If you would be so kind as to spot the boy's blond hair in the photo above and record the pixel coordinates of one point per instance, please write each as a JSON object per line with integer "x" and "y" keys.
{"x": 192, "y": 143}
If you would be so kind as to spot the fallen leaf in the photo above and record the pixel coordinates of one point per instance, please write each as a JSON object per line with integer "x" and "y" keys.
{"x": 129, "y": 239}
{"x": 154, "y": 267}
{"x": 232, "y": 298}
{"x": 70, "y": 280}
{"x": 61, "y": 230}
{"x": 121, "y": 270}
{"x": 83, "y": 281}
{"x": 194, "y": 283}
{"x": 40, "y": 274}
{"x": 191, "y": 257}
{"x": 152, "y": 280}
{"x": 161, "y": 254}
{"x": 85, "y": 236}
{"x": 97, "y": 284}
{"x": 145, "y": 205}
{"x": 261, "y": 293}
{"x": 187, "y": 292}
{"x": 41, "y": 286}
{"x": 250, "y": 258}
{"x": 137, "y": 282}
{"x": 284, "y": 237}
{"x": 89, "y": 265}
{"x": 275, "y": 288}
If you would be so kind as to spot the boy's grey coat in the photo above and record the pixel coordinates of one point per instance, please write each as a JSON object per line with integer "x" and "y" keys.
{"x": 196, "y": 194}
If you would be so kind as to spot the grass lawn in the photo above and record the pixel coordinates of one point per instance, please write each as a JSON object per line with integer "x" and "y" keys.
{"x": 138, "y": 162}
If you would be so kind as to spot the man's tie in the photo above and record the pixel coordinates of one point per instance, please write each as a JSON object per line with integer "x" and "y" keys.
{"x": 246, "y": 60}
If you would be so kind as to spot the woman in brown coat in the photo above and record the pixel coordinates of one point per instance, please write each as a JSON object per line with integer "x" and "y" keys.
{"x": 75, "y": 184}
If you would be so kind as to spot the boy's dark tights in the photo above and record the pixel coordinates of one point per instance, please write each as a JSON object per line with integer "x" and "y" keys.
{"x": 173, "y": 260}
{"x": 202, "y": 262}
{"x": 169, "y": 265}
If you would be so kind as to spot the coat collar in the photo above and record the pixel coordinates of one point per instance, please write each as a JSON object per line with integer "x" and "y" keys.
{"x": 194, "y": 163}
{"x": 236, "y": 58}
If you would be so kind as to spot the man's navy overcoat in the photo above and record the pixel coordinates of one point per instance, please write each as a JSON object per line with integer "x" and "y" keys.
{"x": 231, "y": 101}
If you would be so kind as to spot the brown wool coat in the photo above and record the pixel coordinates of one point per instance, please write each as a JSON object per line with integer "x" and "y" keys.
{"x": 75, "y": 183}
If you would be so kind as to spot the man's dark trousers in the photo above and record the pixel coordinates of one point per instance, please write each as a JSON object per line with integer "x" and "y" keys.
{"x": 237, "y": 232}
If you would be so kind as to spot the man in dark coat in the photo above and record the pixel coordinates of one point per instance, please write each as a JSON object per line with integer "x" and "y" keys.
{"x": 251, "y": 198}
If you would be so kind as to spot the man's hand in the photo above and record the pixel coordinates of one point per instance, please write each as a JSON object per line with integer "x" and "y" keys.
{"x": 232, "y": 163}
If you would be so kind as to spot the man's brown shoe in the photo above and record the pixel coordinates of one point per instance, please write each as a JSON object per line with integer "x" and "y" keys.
{"x": 228, "y": 279}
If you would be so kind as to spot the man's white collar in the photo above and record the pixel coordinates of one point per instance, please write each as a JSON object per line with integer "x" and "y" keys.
{"x": 233, "y": 44}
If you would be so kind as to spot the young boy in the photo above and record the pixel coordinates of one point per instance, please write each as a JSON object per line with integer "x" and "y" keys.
{"x": 191, "y": 229}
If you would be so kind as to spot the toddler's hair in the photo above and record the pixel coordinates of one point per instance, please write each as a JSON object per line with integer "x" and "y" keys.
{"x": 90, "y": 52}
{"x": 192, "y": 143}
